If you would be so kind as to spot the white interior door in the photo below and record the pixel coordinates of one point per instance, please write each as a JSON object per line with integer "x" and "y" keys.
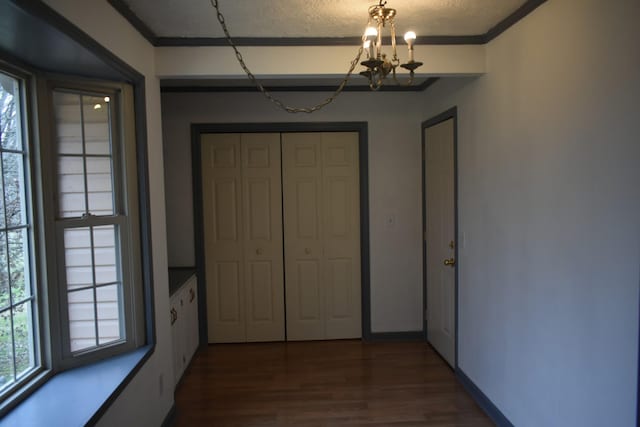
{"x": 341, "y": 234}
{"x": 322, "y": 235}
{"x": 223, "y": 230}
{"x": 440, "y": 238}
{"x": 302, "y": 193}
{"x": 263, "y": 259}
{"x": 242, "y": 201}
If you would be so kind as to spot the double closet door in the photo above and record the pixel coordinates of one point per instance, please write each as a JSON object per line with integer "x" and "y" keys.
{"x": 282, "y": 235}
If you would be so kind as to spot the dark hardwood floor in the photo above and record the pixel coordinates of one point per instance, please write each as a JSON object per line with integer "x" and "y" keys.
{"x": 324, "y": 383}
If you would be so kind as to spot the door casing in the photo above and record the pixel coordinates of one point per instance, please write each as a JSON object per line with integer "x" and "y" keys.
{"x": 363, "y": 153}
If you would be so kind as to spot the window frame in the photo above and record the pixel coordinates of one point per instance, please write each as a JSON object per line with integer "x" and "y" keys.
{"x": 41, "y": 370}
{"x": 126, "y": 200}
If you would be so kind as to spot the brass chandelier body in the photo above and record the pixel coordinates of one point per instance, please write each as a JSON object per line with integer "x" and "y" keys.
{"x": 378, "y": 66}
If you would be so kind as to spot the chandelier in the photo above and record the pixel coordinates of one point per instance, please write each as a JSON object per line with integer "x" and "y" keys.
{"x": 378, "y": 65}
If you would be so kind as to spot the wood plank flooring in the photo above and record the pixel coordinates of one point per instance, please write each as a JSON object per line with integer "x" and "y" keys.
{"x": 323, "y": 383}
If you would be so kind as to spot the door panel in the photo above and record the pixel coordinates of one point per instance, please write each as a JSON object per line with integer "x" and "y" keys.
{"x": 338, "y": 204}
{"x": 222, "y": 198}
{"x": 341, "y": 234}
{"x": 339, "y": 296}
{"x": 258, "y": 208}
{"x": 243, "y": 237}
{"x": 229, "y": 296}
{"x": 309, "y": 301}
{"x": 440, "y": 237}
{"x": 306, "y": 212}
{"x": 302, "y": 187}
{"x": 260, "y": 274}
{"x": 262, "y": 213}
{"x": 225, "y": 194}
{"x": 322, "y": 235}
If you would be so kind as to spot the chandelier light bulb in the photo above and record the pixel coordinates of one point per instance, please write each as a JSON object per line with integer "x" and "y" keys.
{"x": 410, "y": 37}
{"x": 370, "y": 32}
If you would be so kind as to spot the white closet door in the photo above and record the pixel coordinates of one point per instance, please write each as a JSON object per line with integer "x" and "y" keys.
{"x": 302, "y": 192}
{"x": 322, "y": 238}
{"x": 341, "y": 234}
{"x": 222, "y": 211}
{"x": 262, "y": 197}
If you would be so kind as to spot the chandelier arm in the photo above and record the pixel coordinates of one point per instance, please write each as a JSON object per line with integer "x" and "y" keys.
{"x": 393, "y": 43}
{"x": 376, "y": 79}
{"x": 399, "y": 83}
{"x": 264, "y": 91}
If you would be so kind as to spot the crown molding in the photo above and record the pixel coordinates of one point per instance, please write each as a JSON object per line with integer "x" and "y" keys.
{"x": 308, "y": 41}
{"x": 307, "y": 88}
{"x": 122, "y": 8}
{"x": 512, "y": 19}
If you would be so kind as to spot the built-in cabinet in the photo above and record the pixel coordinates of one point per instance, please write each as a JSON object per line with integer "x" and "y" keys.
{"x": 184, "y": 325}
{"x": 282, "y": 236}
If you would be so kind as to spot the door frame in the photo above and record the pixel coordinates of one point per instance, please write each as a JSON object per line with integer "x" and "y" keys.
{"x": 197, "y": 129}
{"x": 451, "y": 113}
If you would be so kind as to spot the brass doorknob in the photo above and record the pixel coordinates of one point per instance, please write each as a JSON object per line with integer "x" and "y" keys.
{"x": 258, "y": 251}
{"x": 307, "y": 251}
{"x": 451, "y": 262}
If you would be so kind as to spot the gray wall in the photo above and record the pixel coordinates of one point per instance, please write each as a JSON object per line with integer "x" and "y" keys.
{"x": 550, "y": 205}
{"x": 394, "y": 183}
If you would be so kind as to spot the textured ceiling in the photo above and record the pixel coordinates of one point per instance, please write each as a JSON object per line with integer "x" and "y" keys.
{"x": 318, "y": 18}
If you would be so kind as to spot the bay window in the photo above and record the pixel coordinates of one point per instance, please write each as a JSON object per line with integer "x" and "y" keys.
{"x": 71, "y": 289}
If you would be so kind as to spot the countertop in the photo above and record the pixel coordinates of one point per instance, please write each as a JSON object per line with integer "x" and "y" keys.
{"x": 178, "y": 276}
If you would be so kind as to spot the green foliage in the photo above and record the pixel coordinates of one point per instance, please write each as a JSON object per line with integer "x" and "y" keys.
{"x": 16, "y": 339}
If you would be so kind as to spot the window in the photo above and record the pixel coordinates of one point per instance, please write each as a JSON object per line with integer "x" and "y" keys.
{"x": 71, "y": 289}
{"x": 95, "y": 215}
{"x": 89, "y": 219}
{"x": 17, "y": 297}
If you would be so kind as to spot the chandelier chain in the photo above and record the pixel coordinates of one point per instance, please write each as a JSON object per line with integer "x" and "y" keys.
{"x": 264, "y": 91}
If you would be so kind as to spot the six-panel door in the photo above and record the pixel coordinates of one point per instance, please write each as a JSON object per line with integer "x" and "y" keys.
{"x": 322, "y": 235}
{"x": 242, "y": 210}
{"x": 244, "y": 188}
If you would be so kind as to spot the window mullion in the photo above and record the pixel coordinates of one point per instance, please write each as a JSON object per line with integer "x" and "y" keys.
{"x": 95, "y": 292}
{"x": 84, "y": 156}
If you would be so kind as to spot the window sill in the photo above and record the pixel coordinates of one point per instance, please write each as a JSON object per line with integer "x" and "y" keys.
{"x": 78, "y": 396}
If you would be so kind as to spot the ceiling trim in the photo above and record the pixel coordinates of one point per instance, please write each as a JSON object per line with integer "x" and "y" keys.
{"x": 510, "y": 20}
{"x": 122, "y": 8}
{"x": 308, "y": 41}
{"x": 320, "y": 88}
